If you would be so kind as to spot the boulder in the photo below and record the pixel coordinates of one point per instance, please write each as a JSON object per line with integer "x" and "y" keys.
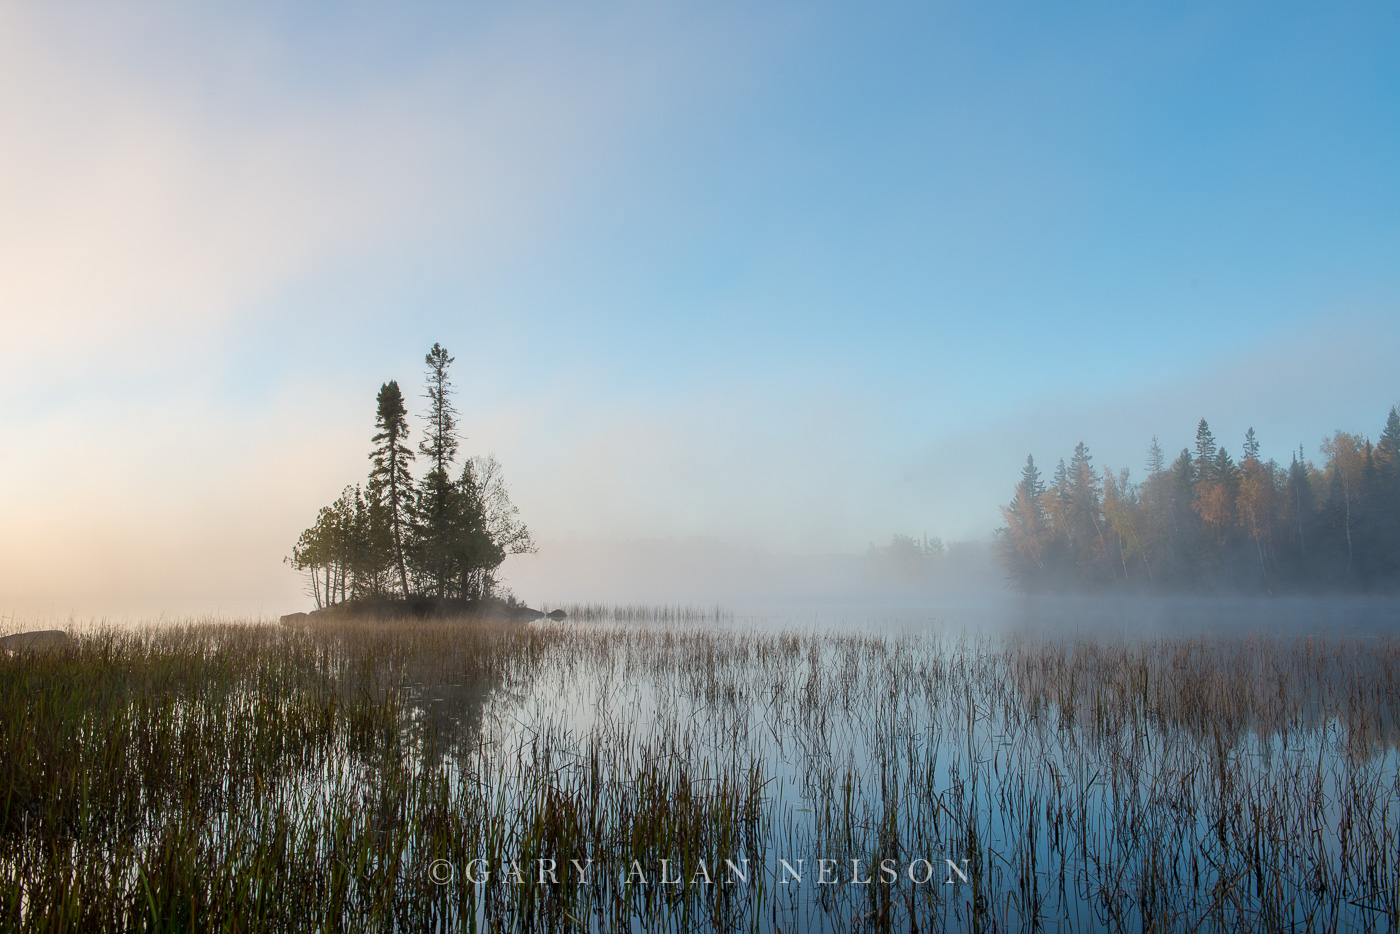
{"x": 38, "y": 641}
{"x": 294, "y": 619}
{"x": 557, "y": 615}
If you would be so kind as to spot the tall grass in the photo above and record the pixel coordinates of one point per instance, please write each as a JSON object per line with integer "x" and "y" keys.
{"x": 347, "y": 776}
{"x": 644, "y": 613}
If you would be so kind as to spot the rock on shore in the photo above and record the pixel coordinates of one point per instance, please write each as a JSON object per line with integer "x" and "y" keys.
{"x": 40, "y": 640}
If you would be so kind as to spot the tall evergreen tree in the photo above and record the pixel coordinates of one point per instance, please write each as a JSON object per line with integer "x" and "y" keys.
{"x": 439, "y": 446}
{"x": 1085, "y": 514}
{"x": 1205, "y": 453}
{"x": 1185, "y": 526}
{"x": 391, "y": 457}
{"x": 1156, "y": 501}
{"x": 1301, "y": 503}
{"x": 1251, "y": 445}
{"x": 1056, "y": 502}
{"x": 1023, "y": 541}
{"x": 1156, "y": 460}
{"x": 1213, "y": 500}
{"x": 1388, "y": 448}
{"x": 1209, "y": 522}
{"x": 439, "y": 508}
{"x": 1216, "y": 494}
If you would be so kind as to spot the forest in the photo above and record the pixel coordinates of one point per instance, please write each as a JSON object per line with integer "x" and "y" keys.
{"x": 443, "y": 536}
{"x": 1205, "y": 522}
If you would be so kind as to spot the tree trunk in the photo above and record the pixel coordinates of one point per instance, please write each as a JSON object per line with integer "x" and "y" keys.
{"x": 1346, "y": 497}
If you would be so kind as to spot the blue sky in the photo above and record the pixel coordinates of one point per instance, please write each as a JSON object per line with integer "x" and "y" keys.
{"x": 792, "y": 277}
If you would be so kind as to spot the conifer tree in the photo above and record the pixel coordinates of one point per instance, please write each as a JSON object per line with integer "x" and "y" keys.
{"x": 1251, "y": 445}
{"x": 1084, "y": 513}
{"x": 1205, "y": 453}
{"x": 1207, "y": 521}
{"x": 1212, "y": 500}
{"x": 1301, "y": 500}
{"x": 439, "y": 508}
{"x": 1185, "y": 526}
{"x": 1156, "y": 460}
{"x": 1023, "y": 541}
{"x": 391, "y": 456}
{"x": 440, "y": 443}
{"x": 1388, "y": 448}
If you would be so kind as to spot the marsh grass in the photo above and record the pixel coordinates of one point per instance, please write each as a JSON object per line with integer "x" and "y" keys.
{"x": 345, "y": 776}
{"x": 644, "y": 613}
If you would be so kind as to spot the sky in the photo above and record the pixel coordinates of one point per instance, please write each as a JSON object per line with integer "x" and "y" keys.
{"x": 781, "y": 279}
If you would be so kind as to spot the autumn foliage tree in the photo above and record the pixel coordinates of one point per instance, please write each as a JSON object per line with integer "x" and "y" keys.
{"x": 1205, "y": 522}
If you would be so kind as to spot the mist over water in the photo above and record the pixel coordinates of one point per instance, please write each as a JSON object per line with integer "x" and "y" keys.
{"x": 966, "y": 596}
{"x": 1072, "y": 618}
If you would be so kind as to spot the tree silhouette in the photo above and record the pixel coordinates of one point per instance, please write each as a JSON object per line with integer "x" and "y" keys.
{"x": 391, "y": 456}
{"x": 440, "y": 510}
{"x": 444, "y": 538}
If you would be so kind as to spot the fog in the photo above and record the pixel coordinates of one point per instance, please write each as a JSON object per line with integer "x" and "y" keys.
{"x": 966, "y": 596}
{"x": 703, "y": 572}
{"x": 720, "y": 334}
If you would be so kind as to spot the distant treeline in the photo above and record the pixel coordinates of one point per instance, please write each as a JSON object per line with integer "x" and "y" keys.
{"x": 444, "y": 536}
{"x": 926, "y": 561}
{"x": 1206, "y": 522}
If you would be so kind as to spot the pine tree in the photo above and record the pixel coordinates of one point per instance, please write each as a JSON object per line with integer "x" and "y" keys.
{"x": 1023, "y": 541}
{"x": 1156, "y": 461}
{"x": 391, "y": 456}
{"x": 1085, "y": 514}
{"x": 1057, "y": 502}
{"x": 1214, "y": 499}
{"x": 438, "y": 514}
{"x": 1185, "y": 529}
{"x": 1301, "y": 503}
{"x": 1030, "y": 483}
{"x": 1388, "y": 448}
{"x": 1251, "y": 445}
{"x": 1205, "y": 453}
{"x": 1157, "y": 503}
{"x": 440, "y": 444}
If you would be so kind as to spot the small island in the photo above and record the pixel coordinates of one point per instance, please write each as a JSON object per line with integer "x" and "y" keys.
{"x": 396, "y": 546}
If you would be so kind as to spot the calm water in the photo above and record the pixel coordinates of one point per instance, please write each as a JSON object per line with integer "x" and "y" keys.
{"x": 1085, "y": 795}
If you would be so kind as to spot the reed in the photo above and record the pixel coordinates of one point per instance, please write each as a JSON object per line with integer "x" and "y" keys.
{"x": 367, "y": 775}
